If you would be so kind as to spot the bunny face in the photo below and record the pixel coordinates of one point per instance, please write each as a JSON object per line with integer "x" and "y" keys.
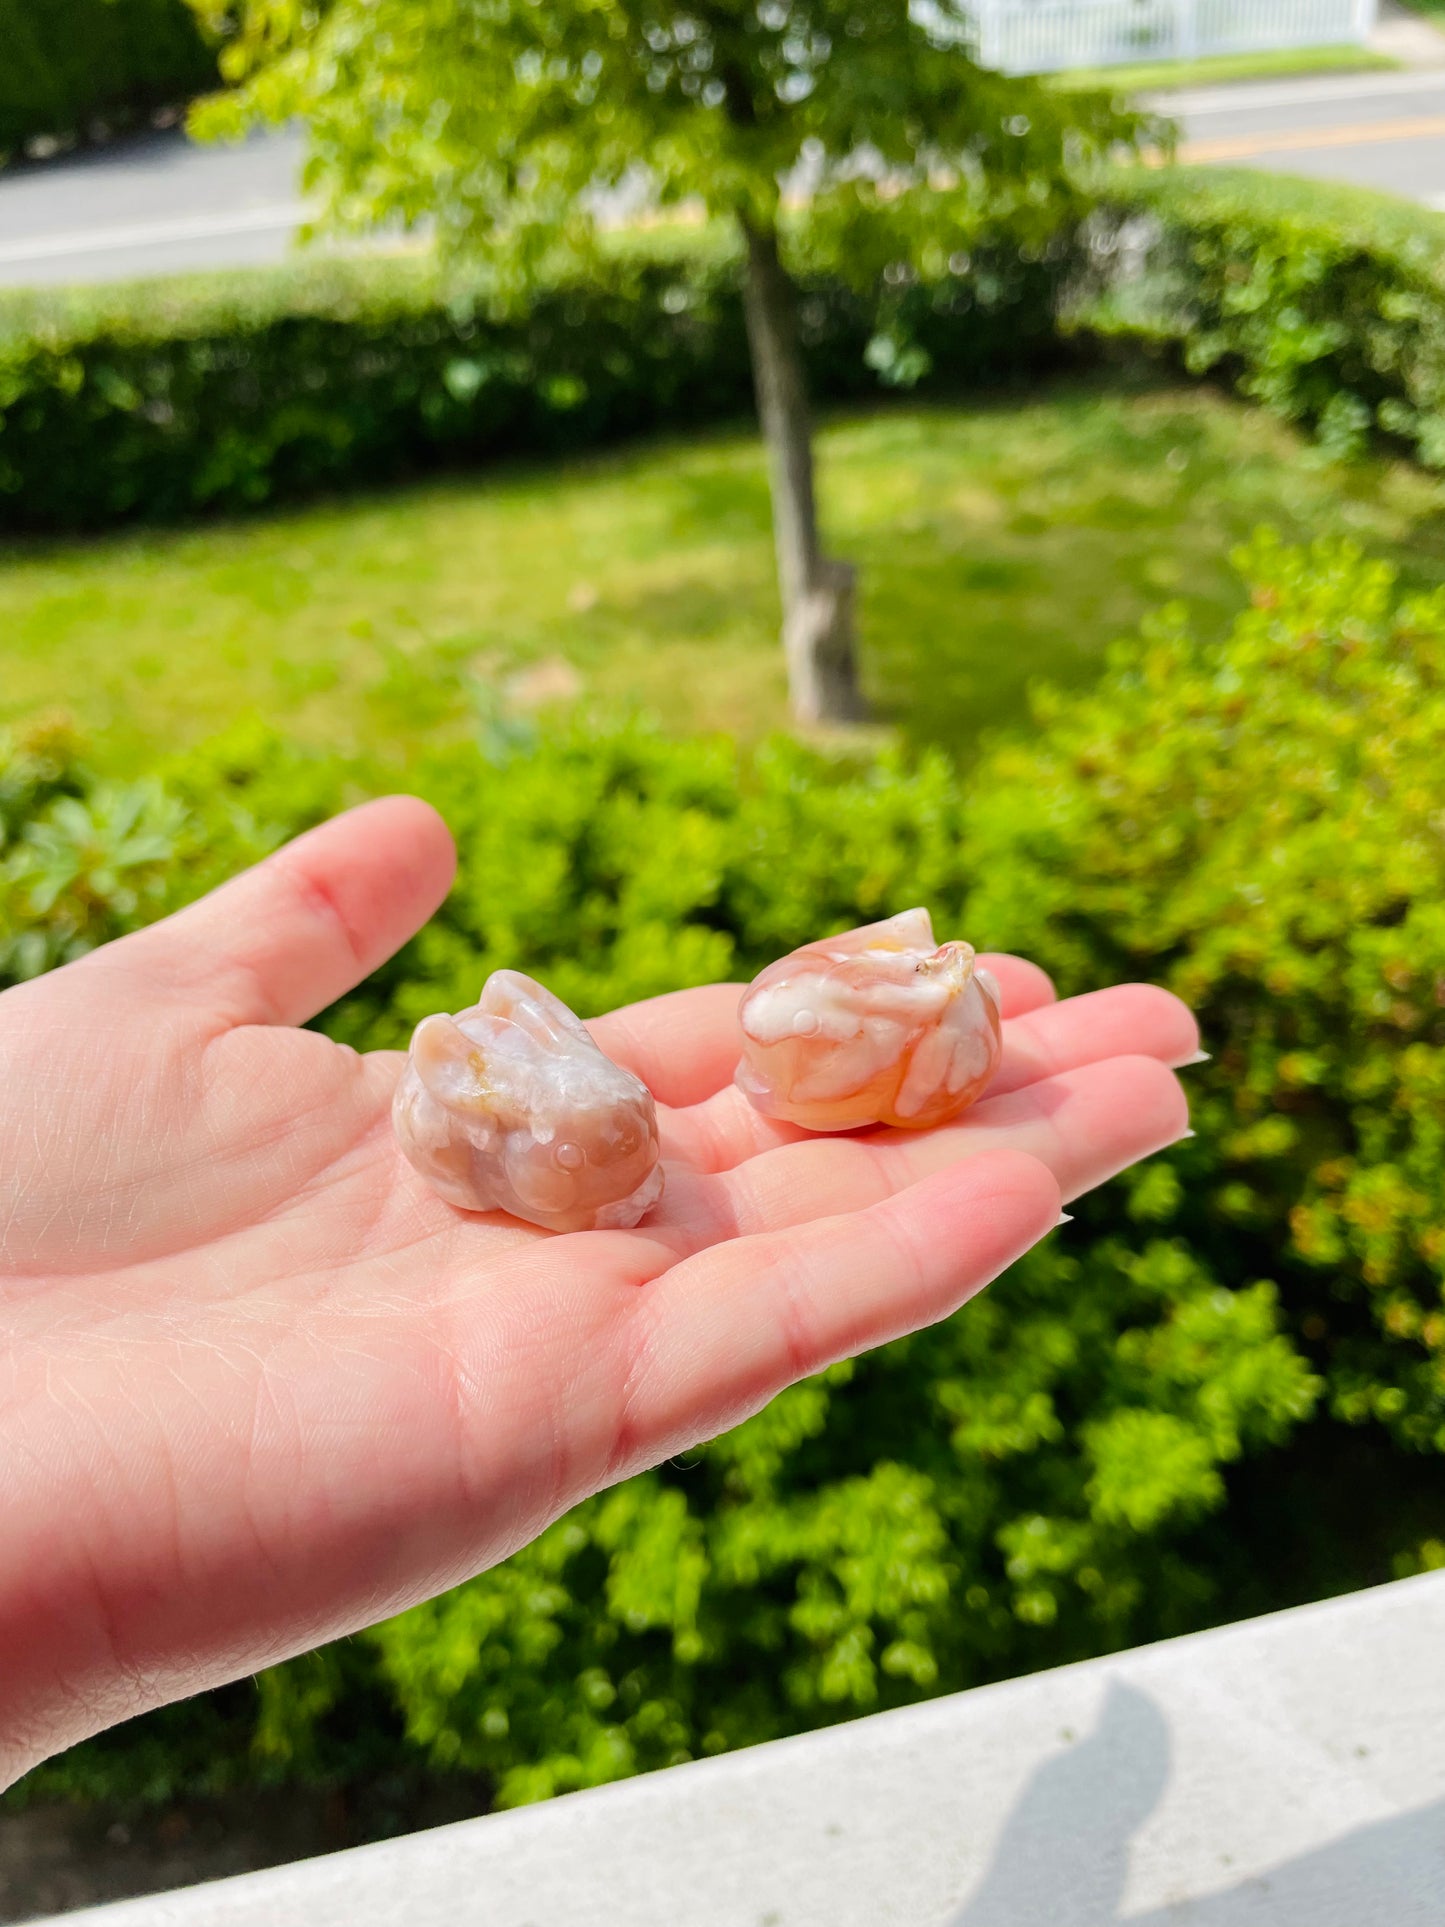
{"x": 510, "y": 1106}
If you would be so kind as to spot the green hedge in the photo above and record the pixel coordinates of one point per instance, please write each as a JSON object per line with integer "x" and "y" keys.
{"x": 69, "y": 63}
{"x": 1220, "y": 1390}
{"x": 1326, "y": 304}
{"x": 162, "y": 399}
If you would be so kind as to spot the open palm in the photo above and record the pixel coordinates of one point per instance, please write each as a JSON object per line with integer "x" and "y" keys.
{"x": 258, "y": 1386}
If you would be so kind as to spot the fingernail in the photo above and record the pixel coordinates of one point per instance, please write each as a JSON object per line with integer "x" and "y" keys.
{"x": 1199, "y": 1057}
{"x": 1184, "y": 1134}
{"x": 1063, "y": 1218}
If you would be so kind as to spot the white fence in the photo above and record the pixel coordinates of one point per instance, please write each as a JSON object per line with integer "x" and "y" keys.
{"x": 1040, "y": 36}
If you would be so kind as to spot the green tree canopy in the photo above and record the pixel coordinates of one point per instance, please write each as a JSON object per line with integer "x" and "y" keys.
{"x": 512, "y": 127}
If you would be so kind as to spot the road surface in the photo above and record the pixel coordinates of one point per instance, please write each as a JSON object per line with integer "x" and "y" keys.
{"x": 1376, "y": 130}
{"x": 158, "y": 203}
{"x": 150, "y": 205}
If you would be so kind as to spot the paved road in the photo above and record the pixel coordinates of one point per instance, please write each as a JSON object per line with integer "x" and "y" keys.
{"x": 157, "y": 204}
{"x": 150, "y": 205}
{"x": 1377, "y": 130}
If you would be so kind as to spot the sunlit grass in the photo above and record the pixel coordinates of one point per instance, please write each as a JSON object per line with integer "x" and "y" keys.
{"x": 1216, "y": 70}
{"x": 997, "y": 543}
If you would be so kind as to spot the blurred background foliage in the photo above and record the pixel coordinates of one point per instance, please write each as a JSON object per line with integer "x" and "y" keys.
{"x": 1326, "y": 304}
{"x": 225, "y": 392}
{"x": 1222, "y": 1389}
{"x": 508, "y": 131}
{"x": 231, "y": 390}
{"x": 75, "y": 68}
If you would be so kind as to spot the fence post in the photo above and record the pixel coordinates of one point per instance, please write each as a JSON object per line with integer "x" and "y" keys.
{"x": 1366, "y": 14}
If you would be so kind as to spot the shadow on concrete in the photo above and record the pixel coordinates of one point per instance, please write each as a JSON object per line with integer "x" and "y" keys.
{"x": 1390, "y": 1874}
{"x": 1063, "y": 1857}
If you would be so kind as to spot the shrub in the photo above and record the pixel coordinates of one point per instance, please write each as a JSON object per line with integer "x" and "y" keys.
{"x": 224, "y": 391}
{"x": 83, "y": 859}
{"x": 1117, "y": 1441}
{"x": 1327, "y": 304}
{"x": 1011, "y": 1490}
{"x": 221, "y": 392}
{"x": 1260, "y": 822}
{"x": 69, "y": 63}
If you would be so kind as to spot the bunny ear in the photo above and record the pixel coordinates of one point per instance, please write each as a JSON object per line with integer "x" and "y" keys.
{"x": 462, "y": 1062}
{"x": 448, "y": 1062}
{"x": 522, "y": 1001}
{"x": 909, "y": 930}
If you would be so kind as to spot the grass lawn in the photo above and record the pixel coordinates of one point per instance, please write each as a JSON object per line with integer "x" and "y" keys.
{"x": 1218, "y": 70}
{"x": 998, "y": 542}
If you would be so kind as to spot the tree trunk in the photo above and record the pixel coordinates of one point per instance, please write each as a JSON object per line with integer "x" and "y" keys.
{"x": 817, "y": 592}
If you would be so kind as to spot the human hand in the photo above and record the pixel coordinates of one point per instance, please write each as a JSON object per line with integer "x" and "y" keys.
{"x": 259, "y": 1386}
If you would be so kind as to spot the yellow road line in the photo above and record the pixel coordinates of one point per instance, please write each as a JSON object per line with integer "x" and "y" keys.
{"x": 1357, "y": 134}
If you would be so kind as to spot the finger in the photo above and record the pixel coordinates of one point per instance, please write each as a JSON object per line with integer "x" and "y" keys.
{"x": 1085, "y": 1126}
{"x": 683, "y": 1046}
{"x": 285, "y": 939}
{"x": 1023, "y": 985}
{"x": 1131, "y": 1019}
{"x": 720, "y": 1334}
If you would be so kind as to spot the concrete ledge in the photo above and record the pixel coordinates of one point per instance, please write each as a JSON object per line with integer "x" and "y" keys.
{"x": 1286, "y": 1772}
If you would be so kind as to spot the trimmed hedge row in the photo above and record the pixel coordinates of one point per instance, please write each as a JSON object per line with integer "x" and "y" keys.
{"x": 1326, "y": 304}
{"x": 169, "y": 398}
{"x": 67, "y": 63}
{"x": 1221, "y": 1390}
{"x": 221, "y": 392}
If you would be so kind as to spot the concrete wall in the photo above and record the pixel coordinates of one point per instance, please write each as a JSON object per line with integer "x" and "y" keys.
{"x": 1286, "y": 1772}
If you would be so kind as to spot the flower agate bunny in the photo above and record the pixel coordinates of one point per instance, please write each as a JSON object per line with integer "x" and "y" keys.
{"x": 876, "y": 1026}
{"x": 510, "y": 1106}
